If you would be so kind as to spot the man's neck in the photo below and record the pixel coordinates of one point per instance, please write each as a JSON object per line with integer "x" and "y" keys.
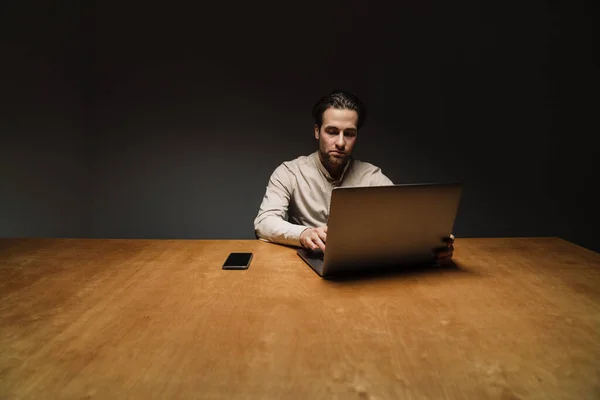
{"x": 336, "y": 173}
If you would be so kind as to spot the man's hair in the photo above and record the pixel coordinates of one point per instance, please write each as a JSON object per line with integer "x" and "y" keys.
{"x": 341, "y": 100}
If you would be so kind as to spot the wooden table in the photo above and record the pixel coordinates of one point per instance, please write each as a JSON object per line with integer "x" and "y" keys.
{"x": 114, "y": 319}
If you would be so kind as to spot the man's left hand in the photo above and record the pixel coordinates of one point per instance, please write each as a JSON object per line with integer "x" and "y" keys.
{"x": 444, "y": 255}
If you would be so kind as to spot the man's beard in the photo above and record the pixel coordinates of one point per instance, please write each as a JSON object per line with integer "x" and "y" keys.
{"x": 338, "y": 160}
{"x": 334, "y": 161}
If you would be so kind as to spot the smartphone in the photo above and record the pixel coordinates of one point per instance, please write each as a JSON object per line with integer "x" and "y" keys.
{"x": 238, "y": 261}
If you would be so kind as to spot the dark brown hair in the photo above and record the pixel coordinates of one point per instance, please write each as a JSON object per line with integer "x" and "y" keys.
{"x": 339, "y": 99}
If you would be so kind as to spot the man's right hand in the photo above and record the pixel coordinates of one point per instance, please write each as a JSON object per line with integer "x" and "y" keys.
{"x": 314, "y": 238}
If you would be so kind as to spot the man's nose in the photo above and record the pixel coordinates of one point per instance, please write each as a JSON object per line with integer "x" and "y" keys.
{"x": 340, "y": 140}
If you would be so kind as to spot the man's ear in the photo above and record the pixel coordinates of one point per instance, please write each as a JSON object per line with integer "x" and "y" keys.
{"x": 316, "y": 131}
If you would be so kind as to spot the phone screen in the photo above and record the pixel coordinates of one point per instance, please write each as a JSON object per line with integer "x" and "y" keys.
{"x": 238, "y": 261}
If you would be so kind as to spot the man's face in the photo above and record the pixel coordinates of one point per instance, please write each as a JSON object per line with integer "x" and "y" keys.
{"x": 337, "y": 135}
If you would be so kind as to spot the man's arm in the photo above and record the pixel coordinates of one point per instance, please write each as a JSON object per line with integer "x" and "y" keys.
{"x": 271, "y": 222}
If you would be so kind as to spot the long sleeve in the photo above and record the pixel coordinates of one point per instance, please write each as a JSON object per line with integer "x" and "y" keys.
{"x": 271, "y": 222}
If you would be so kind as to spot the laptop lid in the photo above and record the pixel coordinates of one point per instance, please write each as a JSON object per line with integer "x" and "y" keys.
{"x": 388, "y": 225}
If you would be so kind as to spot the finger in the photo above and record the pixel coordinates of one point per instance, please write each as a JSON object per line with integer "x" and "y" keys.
{"x": 443, "y": 254}
{"x": 322, "y": 235}
{"x": 443, "y": 249}
{"x": 310, "y": 244}
{"x": 319, "y": 243}
{"x": 443, "y": 260}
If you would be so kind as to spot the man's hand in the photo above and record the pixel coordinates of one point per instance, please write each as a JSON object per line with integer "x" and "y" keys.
{"x": 314, "y": 238}
{"x": 444, "y": 255}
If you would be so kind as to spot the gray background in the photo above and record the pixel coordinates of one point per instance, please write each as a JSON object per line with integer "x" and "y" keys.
{"x": 135, "y": 120}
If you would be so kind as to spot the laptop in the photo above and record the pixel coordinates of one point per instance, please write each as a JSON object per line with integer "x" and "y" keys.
{"x": 385, "y": 226}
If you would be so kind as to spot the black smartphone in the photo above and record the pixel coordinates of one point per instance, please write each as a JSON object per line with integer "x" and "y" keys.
{"x": 238, "y": 261}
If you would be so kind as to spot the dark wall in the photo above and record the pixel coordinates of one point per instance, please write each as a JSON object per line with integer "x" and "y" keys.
{"x": 43, "y": 173}
{"x": 574, "y": 84}
{"x": 186, "y": 112}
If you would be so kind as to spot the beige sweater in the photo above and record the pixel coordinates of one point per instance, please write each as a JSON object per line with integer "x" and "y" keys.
{"x": 299, "y": 193}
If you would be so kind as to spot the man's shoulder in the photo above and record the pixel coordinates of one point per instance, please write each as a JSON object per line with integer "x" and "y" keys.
{"x": 295, "y": 164}
{"x": 302, "y": 160}
{"x": 364, "y": 166}
{"x": 288, "y": 171}
{"x": 367, "y": 174}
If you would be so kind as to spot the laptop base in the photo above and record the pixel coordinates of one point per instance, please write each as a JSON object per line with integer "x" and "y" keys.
{"x": 313, "y": 259}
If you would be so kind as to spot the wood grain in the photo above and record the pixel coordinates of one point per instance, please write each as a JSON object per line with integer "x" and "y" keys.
{"x": 516, "y": 318}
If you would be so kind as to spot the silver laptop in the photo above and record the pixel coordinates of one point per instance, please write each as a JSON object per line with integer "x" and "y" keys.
{"x": 385, "y": 226}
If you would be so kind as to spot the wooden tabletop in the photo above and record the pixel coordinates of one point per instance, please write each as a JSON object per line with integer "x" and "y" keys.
{"x": 113, "y": 319}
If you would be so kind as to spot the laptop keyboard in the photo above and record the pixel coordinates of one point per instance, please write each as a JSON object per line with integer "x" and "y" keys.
{"x": 317, "y": 254}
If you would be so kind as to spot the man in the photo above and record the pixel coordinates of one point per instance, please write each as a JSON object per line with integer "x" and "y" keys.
{"x": 295, "y": 208}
